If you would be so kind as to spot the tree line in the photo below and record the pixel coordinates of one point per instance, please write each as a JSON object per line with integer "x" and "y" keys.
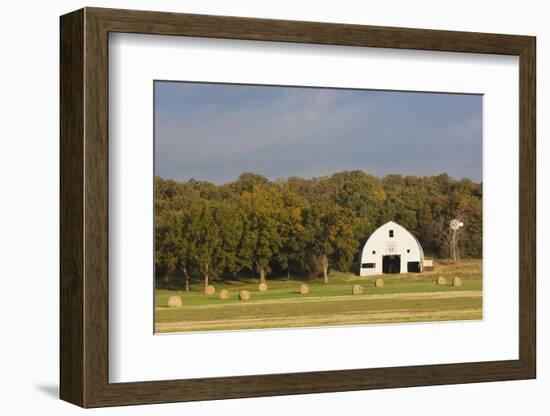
{"x": 297, "y": 226}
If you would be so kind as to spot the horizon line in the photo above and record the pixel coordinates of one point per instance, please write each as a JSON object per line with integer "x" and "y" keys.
{"x": 285, "y": 178}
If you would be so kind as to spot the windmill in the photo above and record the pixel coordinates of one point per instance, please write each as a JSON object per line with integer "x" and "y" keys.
{"x": 455, "y": 226}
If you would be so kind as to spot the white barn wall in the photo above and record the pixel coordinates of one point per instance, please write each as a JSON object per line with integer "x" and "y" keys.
{"x": 382, "y": 244}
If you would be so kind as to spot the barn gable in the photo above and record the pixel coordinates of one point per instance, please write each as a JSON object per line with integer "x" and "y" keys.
{"x": 391, "y": 249}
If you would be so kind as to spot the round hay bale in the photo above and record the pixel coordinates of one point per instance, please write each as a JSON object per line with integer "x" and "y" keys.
{"x": 244, "y": 295}
{"x": 209, "y": 290}
{"x": 457, "y": 281}
{"x": 379, "y": 283}
{"x": 262, "y": 287}
{"x": 224, "y": 294}
{"x": 174, "y": 302}
{"x": 441, "y": 280}
{"x": 304, "y": 289}
{"x": 357, "y": 289}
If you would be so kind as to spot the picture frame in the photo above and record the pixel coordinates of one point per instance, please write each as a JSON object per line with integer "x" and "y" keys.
{"x": 84, "y": 217}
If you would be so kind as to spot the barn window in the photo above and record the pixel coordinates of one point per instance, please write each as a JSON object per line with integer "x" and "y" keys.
{"x": 368, "y": 265}
{"x": 373, "y": 251}
{"x": 391, "y": 233}
{"x": 408, "y": 250}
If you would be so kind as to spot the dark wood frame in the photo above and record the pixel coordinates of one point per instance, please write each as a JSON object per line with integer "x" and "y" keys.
{"x": 84, "y": 208}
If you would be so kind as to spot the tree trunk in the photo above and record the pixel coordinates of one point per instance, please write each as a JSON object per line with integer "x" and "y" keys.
{"x": 262, "y": 275}
{"x": 187, "y": 288}
{"x": 325, "y": 268}
{"x": 206, "y": 275}
{"x": 288, "y": 274}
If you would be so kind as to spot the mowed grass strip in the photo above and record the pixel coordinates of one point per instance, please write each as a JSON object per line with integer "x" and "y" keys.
{"x": 346, "y": 298}
{"x": 328, "y": 307}
{"x": 317, "y": 321}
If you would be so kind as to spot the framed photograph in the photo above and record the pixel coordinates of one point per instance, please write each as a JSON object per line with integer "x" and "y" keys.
{"x": 254, "y": 207}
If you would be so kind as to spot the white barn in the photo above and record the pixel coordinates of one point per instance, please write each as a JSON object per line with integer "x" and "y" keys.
{"x": 391, "y": 249}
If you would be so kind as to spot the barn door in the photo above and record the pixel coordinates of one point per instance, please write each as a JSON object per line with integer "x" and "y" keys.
{"x": 391, "y": 264}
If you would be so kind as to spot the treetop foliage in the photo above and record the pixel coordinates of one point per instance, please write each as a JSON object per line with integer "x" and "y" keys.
{"x": 254, "y": 226}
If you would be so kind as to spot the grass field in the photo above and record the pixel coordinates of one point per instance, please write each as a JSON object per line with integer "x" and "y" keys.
{"x": 404, "y": 298}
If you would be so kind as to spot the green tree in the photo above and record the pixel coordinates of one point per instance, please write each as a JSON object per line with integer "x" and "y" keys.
{"x": 331, "y": 235}
{"x": 261, "y": 237}
{"x": 206, "y": 240}
{"x": 229, "y": 223}
{"x": 166, "y": 244}
{"x": 364, "y": 196}
{"x": 292, "y": 254}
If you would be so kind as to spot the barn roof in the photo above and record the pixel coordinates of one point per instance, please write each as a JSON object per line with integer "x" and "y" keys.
{"x": 394, "y": 224}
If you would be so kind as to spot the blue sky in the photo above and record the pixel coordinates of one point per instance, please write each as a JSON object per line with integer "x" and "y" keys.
{"x": 215, "y": 132}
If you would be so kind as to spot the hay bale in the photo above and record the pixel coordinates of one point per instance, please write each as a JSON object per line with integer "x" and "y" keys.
{"x": 174, "y": 302}
{"x": 244, "y": 295}
{"x": 357, "y": 289}
{"x": 304, "y": 289}
{"x": 262, "y": 287}
{"x": 379, "y": 283}
{"x": 441, "y": 281}
{"x": 224, "y": 294}
{"x": 457, "y": 281}
{"x": 209, "y": 290}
